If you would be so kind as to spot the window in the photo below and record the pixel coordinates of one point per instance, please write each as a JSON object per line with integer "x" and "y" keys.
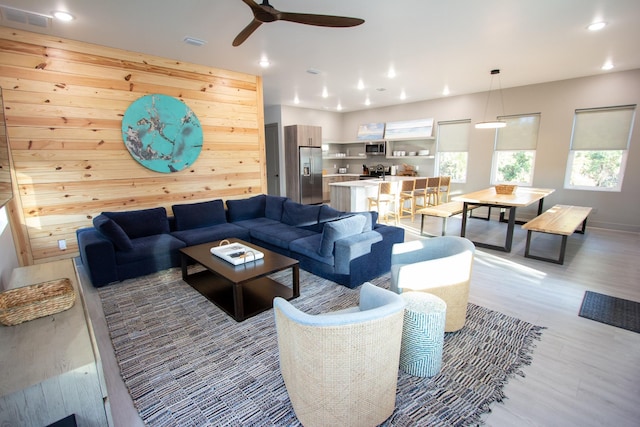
{"x": 515, "y": 150}
{"x": 599, "y": 145}
{"x": 453, "y": 149}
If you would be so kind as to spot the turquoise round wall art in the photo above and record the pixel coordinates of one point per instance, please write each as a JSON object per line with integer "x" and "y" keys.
{"x": 162, "y": 133}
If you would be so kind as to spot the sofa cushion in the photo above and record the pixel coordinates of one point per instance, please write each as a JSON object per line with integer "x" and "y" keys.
{"x": 198, "y": 215}
{"x": 155, "y": 246}
{"x": 339, "y": 229}
{"x": 273, "y": 207}
{"x": 141, "y": 223}
{"x": 299, "y": 215}
{"x": 250, "y": 208}
{"x": 371, "y": 219}
{"x": 196, "y": 236}
{"x": 308, "y": 246}
{"x": 256, "y": 222}
{"x": 327, "y": 213}
{"x": 113, "y": 232}
{"x": 279, "y": 235}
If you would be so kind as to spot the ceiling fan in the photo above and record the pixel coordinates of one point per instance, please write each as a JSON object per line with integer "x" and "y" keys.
{"x": 264, "y": 12}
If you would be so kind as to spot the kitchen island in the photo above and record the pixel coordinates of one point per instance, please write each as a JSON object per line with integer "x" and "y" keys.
{"x": 328, "y": 179}
{"x": 352, "y": 196}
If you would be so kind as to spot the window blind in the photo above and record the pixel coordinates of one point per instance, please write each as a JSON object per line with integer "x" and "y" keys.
{"x": 603, "y": 128}
{"x": 521, "y": 132}
{"x": 453, "y": 136}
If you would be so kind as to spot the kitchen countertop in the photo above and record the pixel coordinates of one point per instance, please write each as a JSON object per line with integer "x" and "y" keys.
{"x": 370, "y": 182}
{"x": 330, "y": 175}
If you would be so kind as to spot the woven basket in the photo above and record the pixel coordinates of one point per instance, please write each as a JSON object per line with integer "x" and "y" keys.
{"x": 33, "y": 301}
{"x": 506, "y": 189}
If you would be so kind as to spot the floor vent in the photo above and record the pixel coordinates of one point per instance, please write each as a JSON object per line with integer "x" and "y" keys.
{"x": 24, "y": 17}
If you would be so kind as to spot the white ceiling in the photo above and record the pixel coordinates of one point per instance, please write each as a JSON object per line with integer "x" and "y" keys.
{"x": 429, "y": 43}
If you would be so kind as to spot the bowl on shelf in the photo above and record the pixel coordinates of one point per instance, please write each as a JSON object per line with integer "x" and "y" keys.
{"x": 412, "y": 153}
{"x": 423, "y": 153}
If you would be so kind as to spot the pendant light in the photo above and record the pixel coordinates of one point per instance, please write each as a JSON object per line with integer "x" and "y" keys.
{"x": 494, "y": 124}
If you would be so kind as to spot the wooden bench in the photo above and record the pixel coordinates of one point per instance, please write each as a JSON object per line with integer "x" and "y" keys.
{"x": 443, "y": 211}
{"x": 562, "y": 220}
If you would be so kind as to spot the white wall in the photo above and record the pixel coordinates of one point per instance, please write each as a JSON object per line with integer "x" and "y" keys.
{"x": 557, "y": 102}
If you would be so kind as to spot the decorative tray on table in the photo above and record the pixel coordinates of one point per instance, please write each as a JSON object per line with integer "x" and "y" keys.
{"x": 236, "y": 253}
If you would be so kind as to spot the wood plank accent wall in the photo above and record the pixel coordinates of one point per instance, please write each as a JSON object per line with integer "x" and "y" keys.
{"x": 64, "y": 103}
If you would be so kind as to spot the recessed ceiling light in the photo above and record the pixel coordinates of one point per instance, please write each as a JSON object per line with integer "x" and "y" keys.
{"x": 367, "y": 101}
{"x": 360, "y": 84}
{"x": 392, "y": 73}
{"x": 339, "y": 107}
{"x": 446, "y": 91}
{"x": 596, "y": 26}
{"x": 264, "y": 63}
{"x": 325, "y": 93}
{"x": 296, "y": 100}
{"x": 607, "y": 66}
{"x": 63, "y": 16}
{"x": 403, "y": 95}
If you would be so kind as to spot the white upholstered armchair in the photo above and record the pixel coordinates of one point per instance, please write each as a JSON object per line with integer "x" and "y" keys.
{"x": 440, "y": 266}
{"x": 341, "y": 368}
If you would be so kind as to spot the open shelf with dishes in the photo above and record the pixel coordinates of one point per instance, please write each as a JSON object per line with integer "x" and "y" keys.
{"x": 415, "y": 148}
{"x": 343, "y": 150}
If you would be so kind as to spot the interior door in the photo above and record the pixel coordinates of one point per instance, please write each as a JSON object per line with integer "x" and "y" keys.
{"x": 273, "y": 158}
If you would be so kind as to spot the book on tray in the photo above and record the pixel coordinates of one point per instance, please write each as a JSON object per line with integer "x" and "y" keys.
{"x": 237, "y": 253}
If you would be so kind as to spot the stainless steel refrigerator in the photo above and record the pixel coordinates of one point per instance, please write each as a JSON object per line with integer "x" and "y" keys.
{"x": 310, "y": 159}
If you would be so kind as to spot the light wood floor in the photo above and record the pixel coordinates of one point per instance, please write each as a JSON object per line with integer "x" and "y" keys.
{"x": 583, "y": 373}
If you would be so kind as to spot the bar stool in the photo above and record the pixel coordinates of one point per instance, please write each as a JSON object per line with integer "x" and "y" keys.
{"x": 420, "y": 192}
{"x": 407, "y": 190}
{"x": 433, "y": 191}
{"x": 445, "y": 182}
{"x": 387, "y": 200}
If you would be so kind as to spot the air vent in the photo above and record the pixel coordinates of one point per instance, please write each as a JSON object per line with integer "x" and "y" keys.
{"x": 24, "y": 17}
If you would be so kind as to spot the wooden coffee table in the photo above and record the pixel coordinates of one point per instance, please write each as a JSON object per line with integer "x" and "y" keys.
{"x": 244, "y": 290}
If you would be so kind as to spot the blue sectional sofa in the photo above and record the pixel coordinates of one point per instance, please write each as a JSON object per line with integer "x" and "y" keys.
{"x": 348, "y": 248}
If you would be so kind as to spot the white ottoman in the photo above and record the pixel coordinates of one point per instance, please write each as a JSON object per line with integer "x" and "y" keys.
{"x": 422, "y": 334}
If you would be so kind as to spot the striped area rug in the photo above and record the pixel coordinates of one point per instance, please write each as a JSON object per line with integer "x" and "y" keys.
{"x": 186, "y": 363}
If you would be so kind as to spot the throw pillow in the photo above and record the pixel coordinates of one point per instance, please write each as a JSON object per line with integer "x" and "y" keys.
{"x": 339, "y": 229}
{"x": 371, "y": 216}
{"x": 113, "y": 232}
{"x": 198, "y": 215}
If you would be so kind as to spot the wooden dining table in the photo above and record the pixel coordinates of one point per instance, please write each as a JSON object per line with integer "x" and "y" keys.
{"x": 522, "y": 197}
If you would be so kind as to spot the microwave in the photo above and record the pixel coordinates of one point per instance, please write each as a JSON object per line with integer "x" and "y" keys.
{"x": 374, "y": 148}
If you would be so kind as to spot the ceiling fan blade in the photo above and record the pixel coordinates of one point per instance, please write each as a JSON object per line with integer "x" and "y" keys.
{"x": 244, "y": 34}
{"x": 320, "y": 20}
{"x": 253, "y": 5}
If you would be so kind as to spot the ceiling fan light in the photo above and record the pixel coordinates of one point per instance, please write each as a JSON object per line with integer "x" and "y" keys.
{"x": 491, "y": 125}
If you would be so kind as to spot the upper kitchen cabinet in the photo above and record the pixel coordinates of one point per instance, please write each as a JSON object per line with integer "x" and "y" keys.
{"x": 302, "y": 135}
